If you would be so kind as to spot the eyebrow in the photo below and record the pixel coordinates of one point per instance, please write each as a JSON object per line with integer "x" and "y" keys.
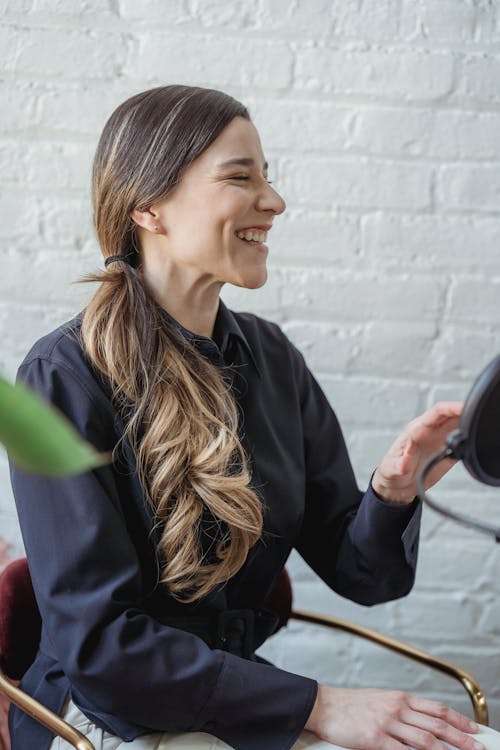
{"x": 241, "y": 161}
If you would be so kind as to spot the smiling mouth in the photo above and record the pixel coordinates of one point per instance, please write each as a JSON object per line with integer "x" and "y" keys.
{"x": 253, "y": 236}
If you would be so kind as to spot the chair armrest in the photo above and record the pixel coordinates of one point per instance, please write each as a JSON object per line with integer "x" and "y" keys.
{"x": 476, "y": 695}
{"x": 43, "y": 715}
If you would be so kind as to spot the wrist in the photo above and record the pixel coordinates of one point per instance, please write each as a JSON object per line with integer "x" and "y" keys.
{"x": 314, "y": 717}
{"x": 386, "y": 492}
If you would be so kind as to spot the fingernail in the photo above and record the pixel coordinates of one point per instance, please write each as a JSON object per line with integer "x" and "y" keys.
{"x": 478, "y": 746}
{"x": 473, "y": 725}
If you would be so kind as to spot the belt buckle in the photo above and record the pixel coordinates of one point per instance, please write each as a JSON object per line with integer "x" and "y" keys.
{"x": 223, "y": 623}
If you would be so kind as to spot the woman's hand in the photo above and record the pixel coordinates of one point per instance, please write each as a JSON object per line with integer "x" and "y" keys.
{"x": 387, "y": 720}
{"x": 395, "y": 477}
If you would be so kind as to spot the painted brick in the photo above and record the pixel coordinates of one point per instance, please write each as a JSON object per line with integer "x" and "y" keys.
{"x": 313, "y": 19}
{"x": 425, "y": 133}
{"x": 457, "y": 616}
{"x": 441, "y": 558}
{"x": 54, "y": 272}
{"x": 465, "y": 135}
{"x": 391, "y": 130}
{"x": 330, "y": 183}
{"x": 212, "y": 13}
{"x": 370, "y": 401}
{"x": 475, "y": 301}
{"x": 153, "y": 11}
{"x": 79, "y": 109}
{"x": 19, "y": 102}
{"x": 72, "y": 7}
{"x": 395, "y": 349}
{"x": 67, "y": 222}
{"x": 413, "y": 76}
{"x": 46, "y": 165}
{"x": 455, "y": 22}
{"x": 478, "y": 79}
{"x": 19, "y": 218}
{"x": 469, "y": 187}
{"x": 199, "y": 59}
{"x": 327, "y": 348}
{"x": 329, "y": 239}
{"x": 461, "y": 351}
{"x": 430, "y": 242}
{"x": 375, "y": 20}
{"x": 72, "y": 53}
{"x": 345, "y": 297}
{"x": 311, "y": 126}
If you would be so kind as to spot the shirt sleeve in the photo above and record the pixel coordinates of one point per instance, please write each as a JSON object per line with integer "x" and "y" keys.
{"x": 90, "y": 590}
{"x": 364, "y": 548}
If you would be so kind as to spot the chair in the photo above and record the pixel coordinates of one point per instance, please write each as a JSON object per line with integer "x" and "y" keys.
{"x": 20, "y": 627}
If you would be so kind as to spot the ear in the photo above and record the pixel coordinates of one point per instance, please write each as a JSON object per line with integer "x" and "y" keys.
{"x": 147, "y": 219}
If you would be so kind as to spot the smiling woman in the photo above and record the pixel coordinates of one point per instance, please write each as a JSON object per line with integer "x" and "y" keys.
{"x": 152, "y": 573}
{"x": 215, "y": 222}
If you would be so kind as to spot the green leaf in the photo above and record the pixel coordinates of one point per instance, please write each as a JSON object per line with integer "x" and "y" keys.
{"x": 38, "y": 438}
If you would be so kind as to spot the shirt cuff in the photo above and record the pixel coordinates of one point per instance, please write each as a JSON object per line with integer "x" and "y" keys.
{"x": 393, "y": 525}
{"x": 257, "y": 705}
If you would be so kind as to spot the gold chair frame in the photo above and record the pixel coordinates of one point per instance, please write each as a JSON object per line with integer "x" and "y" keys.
{"x": 43, "y": 715}
{"x": 469, "y": 683}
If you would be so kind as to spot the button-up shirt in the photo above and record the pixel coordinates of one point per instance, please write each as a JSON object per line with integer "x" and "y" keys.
{"x": 109, "y": 631}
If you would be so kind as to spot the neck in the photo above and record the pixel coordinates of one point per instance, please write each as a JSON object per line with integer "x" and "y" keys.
{"x": 192, "y": 301}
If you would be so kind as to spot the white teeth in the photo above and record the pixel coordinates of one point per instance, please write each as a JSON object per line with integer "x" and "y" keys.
{"x": 252, "y": 234}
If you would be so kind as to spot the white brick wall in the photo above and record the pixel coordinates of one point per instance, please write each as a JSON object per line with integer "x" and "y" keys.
{"x": 381, "y": 122}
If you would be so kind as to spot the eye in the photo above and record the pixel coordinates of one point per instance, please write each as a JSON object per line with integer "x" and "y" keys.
{"x": 247, "y": 177}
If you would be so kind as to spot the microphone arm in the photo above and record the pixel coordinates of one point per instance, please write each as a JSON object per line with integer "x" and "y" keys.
{"x": 464, "y": 520}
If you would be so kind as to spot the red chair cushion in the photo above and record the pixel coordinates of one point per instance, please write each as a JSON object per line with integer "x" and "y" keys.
{"x": 20, "y": 622}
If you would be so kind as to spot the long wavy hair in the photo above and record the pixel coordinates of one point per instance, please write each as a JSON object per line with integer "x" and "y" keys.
{"x": 180, "y": 417}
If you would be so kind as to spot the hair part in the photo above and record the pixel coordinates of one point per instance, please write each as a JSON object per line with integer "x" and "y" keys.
{"x": 181, "y": 419}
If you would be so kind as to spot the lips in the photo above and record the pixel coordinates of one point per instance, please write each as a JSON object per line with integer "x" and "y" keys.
{"x": 252, "y": 235}
{"x": 257, "y": 234}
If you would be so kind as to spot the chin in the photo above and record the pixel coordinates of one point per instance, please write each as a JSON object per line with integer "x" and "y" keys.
{"x": 253, "y": 280}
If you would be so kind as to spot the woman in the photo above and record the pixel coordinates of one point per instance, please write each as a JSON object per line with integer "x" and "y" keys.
{"x": 151, "y": 573}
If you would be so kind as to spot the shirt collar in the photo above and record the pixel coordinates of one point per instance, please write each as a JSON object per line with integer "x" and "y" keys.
{"x": 226, "y": 330}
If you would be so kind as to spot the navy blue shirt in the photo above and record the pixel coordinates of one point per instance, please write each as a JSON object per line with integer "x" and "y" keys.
{"x": 133, "y": 657}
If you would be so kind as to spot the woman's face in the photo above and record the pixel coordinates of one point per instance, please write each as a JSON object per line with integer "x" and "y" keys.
{"x": 215, "y": 223}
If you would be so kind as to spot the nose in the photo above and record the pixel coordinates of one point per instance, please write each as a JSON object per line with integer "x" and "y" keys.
{"x": 270, "y": 200}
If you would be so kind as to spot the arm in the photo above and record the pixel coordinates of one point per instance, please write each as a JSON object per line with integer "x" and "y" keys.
{"x": 362, "y": 547}
{"x": 90, "y": 588}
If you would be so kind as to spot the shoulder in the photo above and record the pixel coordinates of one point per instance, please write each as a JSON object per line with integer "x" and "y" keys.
{"x": 259, "y": 330}
{"x": 57, "y": 365}
{"x": 62, "y": 345}
{"x": 268, "y": 342}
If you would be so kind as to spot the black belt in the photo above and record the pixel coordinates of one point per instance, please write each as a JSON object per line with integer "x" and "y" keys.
{"x": 239, "y": 631}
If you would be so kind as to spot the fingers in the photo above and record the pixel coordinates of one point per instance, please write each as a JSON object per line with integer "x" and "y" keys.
{"x": 441, "y": 418}
{"x": 423, "y": 731}
{"x": 439, "y": 414}
{"x": 440, "y": 711}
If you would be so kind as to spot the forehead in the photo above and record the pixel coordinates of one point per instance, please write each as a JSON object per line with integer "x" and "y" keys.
{"x": 238, "y": 140}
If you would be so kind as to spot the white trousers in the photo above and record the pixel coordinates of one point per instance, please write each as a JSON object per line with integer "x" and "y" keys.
{"x": 162, "y": 740}
{"x": 200, "y": 740}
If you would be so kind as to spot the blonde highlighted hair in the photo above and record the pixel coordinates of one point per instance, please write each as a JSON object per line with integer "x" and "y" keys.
{"x": 181, "y": 419}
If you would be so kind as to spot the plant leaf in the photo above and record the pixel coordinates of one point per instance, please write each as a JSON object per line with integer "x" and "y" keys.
{"x": 38, "y": 438}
